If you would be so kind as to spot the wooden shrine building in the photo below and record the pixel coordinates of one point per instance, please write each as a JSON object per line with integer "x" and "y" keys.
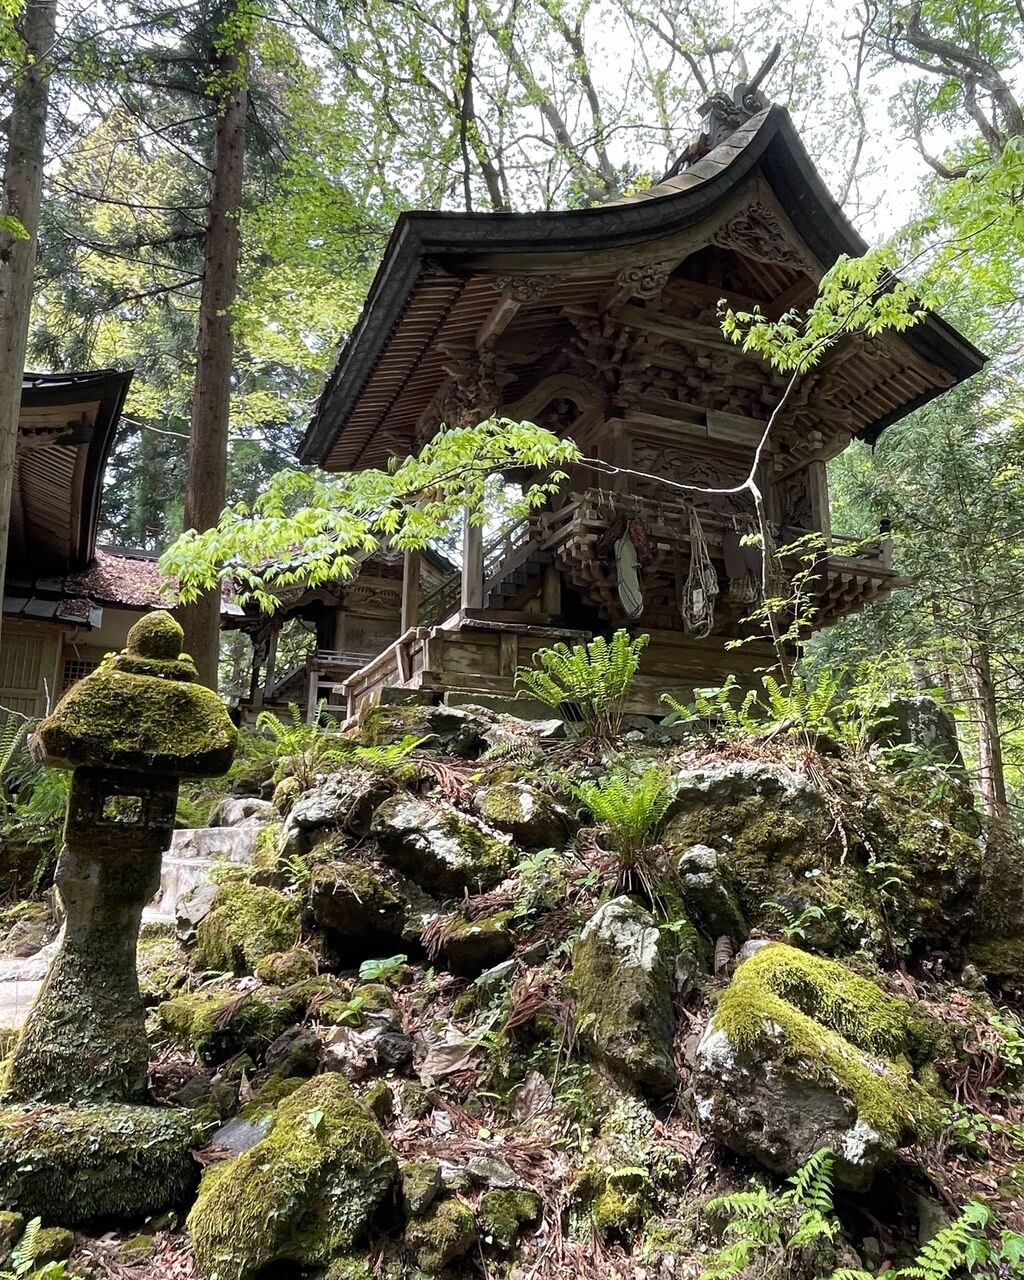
{"x": 67, "y": 601}
{"x": 602, "y": 324}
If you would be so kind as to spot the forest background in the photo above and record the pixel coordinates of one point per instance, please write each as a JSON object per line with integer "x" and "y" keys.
{"x": 349, "y": 111}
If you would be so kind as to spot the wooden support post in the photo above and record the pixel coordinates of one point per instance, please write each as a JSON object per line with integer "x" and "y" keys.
{"x": 551, "y": 592}
{"x": 255, "y": 688}
{"x": 268, "y": 679}
{"x": 312, "y": 688}
{"x": 410, "y": 591}
{"x": 472, "y": 564}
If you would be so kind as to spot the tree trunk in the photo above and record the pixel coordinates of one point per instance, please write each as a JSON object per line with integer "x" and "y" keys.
{"x": 206, "y": 489}
{"x": 991, "y": 778}
{"x": 22, "y": 196}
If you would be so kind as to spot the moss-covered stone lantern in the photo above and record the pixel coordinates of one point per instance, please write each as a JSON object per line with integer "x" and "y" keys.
{"x": 129, "y": 732}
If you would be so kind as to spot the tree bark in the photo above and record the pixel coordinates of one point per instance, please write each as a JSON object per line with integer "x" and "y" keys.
{"x": 991, "y": 776}
{"x": 22, "y": 196}
{"x": 206, "y": 487}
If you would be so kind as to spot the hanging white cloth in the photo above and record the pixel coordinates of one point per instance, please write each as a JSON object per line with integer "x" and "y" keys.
{"x": 627, "y": 566}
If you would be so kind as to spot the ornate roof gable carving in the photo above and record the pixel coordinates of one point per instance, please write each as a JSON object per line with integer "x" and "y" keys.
{"x": 758, "y": 233}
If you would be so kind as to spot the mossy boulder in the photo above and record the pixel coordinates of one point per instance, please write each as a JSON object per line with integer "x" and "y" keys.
{"x": 302, "y": 1195}
{"x": 623, "y": 986}
{"x": 284, "y": 968}
{"x": 443, "y": 1234}
{"x": 801, "y": 1054}
{"x": 162, "y": 964}
{"x": 471, "y": 946}
{"x": 368, "y": 908}
{"x": 529, "y": 816}
{"x": 448, "y": 729}
{"x": 217, "y": 1022}
{"x": 53, "y": 1244}
{"x": 502, "y": 1215}
{"x": 421, "y": 1185}
{"x": 343, "y": 802}
{"x": 444, "y": 851}
{"x": 78, "y": 1164}
{"x": 248, "y": 923}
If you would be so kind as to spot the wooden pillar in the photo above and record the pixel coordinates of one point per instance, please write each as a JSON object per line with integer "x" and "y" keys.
{"x": 551, "y": 592}
{"x": 268, "y": 679}
{"x": 472, "y": 564}
{"x": 410, "y": 591}
{"x": 255, "y": 691}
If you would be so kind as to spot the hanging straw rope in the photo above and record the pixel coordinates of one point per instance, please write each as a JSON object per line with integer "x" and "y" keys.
{"x": 698, "y": 603}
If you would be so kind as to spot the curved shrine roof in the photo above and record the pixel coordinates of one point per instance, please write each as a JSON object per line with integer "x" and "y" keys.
{"x": 439, "y": 294}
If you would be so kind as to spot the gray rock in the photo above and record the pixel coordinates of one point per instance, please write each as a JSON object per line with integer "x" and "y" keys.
{"x": 709, "y": 892}
{"x": 751, "y": 947}
{"x": 623, "y": 990}
{"x": 444, "y": 851}
{"x": 368, "y": 907}
{"x": 728, "y": 784}
{"x": 234, "y": 810}
{"x": 194, "y": 909}
{"x": 296, "y": 1052}
{"x": 529, "y": 816}
{"x": 917, "y": 721}
{"x": 477, "y": 945}
{"x": 345, "y": 802}
{"x": 394, "y": 1050}
{"x": 780, "y": 1118}
{"x": 239, "y": 1135}
{"x": 492, "y": 1171}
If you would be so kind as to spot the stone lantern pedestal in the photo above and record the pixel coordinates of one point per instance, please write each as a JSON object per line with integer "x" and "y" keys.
{"x": 130, "y": 732}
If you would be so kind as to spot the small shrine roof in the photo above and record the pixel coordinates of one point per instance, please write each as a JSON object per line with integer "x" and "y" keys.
{"x": 445, "y": 276}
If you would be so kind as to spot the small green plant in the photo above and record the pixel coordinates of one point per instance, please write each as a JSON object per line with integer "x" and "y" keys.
{"x": 595, "y": 678}
{"x": 808, "y": 708}
{"x": 381, "y": 970}
{"x": 630, "y": 806}
{"x": 794, "y": 924}
{"x": 389, "y": 756}
{"x": 21, "y": 1265}
{"x": 304, "y": 751}
{"x": 763, "y": 1231}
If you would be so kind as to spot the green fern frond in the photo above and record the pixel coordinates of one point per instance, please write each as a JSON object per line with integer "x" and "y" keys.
{"x": 595, "y": 677}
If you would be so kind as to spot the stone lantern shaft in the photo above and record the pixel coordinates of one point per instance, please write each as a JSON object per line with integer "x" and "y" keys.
{"x": 130, "y": 732}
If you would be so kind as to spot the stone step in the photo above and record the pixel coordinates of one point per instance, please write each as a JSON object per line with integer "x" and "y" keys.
{"x": 194, "y": 854}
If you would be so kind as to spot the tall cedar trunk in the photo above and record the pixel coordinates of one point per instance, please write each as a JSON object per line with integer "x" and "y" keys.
{"x": 991, "y": 778}
{"x": 22, "y": 195}
{"x": 206, "y": 489}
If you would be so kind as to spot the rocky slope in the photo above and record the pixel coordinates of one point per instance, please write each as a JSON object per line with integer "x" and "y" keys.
{"x": 447, "y": 1024}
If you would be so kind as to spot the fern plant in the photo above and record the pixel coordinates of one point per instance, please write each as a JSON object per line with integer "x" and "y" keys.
{"x": 716, "y": 709}
{"x": 630, "y": 806}
{"x": 595, "y": 677}
{"x": 761, "y": 1234}
{"x": 807, "y": 707}
{"x": 769, "y": 1231}
{"x": 304, "y": 751}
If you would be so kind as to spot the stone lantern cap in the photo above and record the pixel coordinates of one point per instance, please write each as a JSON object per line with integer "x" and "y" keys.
{"x": 142, "y": 711}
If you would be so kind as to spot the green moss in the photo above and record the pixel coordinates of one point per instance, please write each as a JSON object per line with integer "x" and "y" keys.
{"x": 303, "y": 1194}
{"x": 349, "y": 1268}
{"x": 216, "y": 1023}
{"x": 136, "y": 1250}
{"x": 444, "y": 1233}
{"x": 162, "y": 965}
{"x": 266, "y": 856}
{"x": 273, "y": 1091}
{"x": 75, "y": 1164}
{"x": 415, "y": 1101}
{"x": 379, "y": 1101}
{"x": 813, "y": 1015}
{"x": 489, "y": 857}
{"x": 11, "y": 1226}
{"x": 501, "y": 1215}
{"x": 616, "y": 1198}
{"x": 283, "y": 968}
{"x": 53, "y": 1244}
{"x": 117, "y": 719}
{"x": 248, "y": 923}
{"x": 421, "y": 1184}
